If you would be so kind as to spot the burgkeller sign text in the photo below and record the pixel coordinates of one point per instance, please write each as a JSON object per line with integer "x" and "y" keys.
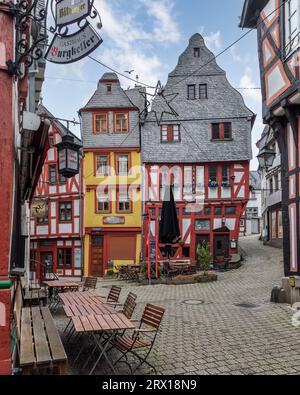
{"x": 69, "y": 47}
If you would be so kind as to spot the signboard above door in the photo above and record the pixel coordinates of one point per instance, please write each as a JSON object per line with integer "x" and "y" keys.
{"x": 70, "y": 11}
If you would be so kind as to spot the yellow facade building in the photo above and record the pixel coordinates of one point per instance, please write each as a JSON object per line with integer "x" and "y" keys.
{"x": 112, "y": 176}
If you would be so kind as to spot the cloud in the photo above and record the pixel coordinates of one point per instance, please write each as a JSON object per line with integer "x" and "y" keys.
{"x": 251, "y": 94}
{"x": 127, "y": 44}
{"x": 165, "y": 28}
{"x": 213, "y": 41}
{"x": 254, "y": 100}
{"x": 235, "y": 55}
{"x": 146, "y": 67}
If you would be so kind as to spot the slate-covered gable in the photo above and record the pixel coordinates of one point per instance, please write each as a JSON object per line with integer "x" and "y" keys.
{"x": 117, "y": 99}
{"x": 224, "y": 104}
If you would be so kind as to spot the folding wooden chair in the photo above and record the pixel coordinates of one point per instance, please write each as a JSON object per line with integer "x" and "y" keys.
{"x": 142, "y": 339}
{"x": 113, "y": 295}
{"x": 129, "y": 305}
{"x": 89, "y": 283}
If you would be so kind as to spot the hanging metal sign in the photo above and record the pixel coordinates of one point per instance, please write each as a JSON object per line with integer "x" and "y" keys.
{"x": 70, "y": 11}
{"x": 67, "y": 45}
{"x": 69, "y": 49}
{"x": 39, "y": 208}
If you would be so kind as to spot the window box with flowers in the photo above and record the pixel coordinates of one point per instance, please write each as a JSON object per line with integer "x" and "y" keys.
{"x": 213, "y": 184}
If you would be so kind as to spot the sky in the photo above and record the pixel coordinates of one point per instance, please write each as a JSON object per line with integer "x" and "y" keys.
{"x": 148, "y": 36}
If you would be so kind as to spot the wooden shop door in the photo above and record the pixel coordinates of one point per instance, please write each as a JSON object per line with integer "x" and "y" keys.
{"x": 221, "y": 245}
{"x": 97, "y": 256}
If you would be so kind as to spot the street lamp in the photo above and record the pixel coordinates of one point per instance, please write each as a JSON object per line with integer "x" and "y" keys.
{"x": 68, "y": 156}
{"x": 266, "y": 157}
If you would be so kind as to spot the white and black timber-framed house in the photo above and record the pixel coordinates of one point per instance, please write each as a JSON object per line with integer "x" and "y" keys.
{"x": 56, "y": 239}
{"x": 203, "y": 151}
{"x": 278, "y": 32}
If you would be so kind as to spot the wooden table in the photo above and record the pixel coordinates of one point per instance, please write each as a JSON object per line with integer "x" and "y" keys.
{"x": 88, "y": 309}
{"x": 40, "y": 344}
{"x": 56, "y": 286}
{"x": 82, "y": 303}
{"x": 61, "y": 284}
{"x": 81, "y": 298}
{"x": 96, "y": 326}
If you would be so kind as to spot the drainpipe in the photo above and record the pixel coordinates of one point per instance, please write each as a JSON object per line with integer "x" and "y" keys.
{"x": 81, "y": 201}
{"x": 81, "y": 209}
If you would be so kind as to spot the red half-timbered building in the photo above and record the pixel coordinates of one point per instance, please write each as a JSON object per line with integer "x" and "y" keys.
{"x": 278, "y": 30}
{"x": 56, "y": 245}
{"x": 203, "y": 151}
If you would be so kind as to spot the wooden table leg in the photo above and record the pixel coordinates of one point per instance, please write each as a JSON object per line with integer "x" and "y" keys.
{"x": 63, "y": 368}
{"x": 26, "y": 370}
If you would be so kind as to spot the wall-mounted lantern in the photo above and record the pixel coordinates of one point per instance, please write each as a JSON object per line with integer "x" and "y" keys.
{"x": 68, "y": 156}
{"x": 266, "y": 157}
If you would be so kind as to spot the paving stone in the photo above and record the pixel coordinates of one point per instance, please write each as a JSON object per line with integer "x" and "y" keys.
{"x": 217, "y": 337}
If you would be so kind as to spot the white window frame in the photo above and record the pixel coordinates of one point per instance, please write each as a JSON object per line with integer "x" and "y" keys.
{"x": 176, "y": 133}
{"x": 292, "y": 38}
{"x": 164, "y": 133}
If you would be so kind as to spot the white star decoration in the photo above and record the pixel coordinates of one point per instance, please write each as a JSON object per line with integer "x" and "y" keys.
{"x": 159, "y": 93}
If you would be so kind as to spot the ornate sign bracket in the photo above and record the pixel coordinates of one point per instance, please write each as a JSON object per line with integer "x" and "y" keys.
{"x": 27, "y": 50}
{"x": 73, "y": 35}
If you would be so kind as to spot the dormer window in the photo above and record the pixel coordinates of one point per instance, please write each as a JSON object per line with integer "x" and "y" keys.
{"x": 170, "y": 133}
{"x": 197, "y": 52}
{"x": 222, "y": 131}
{"x": 108, "y": 88}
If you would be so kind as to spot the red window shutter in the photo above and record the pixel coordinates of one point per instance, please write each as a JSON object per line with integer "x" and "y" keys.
{"x": 221, "y": 131}
{"x": 170, "y": 133}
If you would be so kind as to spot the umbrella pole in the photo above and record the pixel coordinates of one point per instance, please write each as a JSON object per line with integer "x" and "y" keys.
{"x": 149, "y": 250}
{"x": 156, "y": 251}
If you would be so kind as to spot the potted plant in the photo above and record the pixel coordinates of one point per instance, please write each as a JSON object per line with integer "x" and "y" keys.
{"x": 110, "y": 273}
{"x": 205, "y": 258}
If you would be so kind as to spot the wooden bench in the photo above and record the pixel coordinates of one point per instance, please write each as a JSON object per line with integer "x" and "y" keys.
{"x": 38, "y": 342}
{"x": 33, "y": 296}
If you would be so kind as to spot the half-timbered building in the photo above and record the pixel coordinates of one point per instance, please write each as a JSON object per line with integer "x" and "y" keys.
{"x": 278, "y": 31}
{"x": 202, "y": 147}
{"x": 56, "y": 245}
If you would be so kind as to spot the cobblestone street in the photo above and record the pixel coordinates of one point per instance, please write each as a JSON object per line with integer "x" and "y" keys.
{"x": 205, "y": 331}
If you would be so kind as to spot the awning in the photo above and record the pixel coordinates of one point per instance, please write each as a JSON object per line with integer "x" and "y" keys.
{"x": 35, "y": 145}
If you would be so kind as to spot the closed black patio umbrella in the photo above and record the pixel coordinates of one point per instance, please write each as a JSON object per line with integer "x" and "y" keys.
{"x": 169, "y": 232}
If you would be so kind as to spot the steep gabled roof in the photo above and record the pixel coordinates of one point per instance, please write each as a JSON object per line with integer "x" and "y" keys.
{"x": 191, "y": 70}
{"x": 196, "y": 65}
{"x": 117, "y": 98}
{"x": 195, "y": 117}
{"x": 136, "y": 98}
